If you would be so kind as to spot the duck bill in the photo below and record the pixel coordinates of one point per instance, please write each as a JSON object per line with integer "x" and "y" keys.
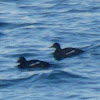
{"x": 51, "y": 46}
{"x": 18, "y": 61}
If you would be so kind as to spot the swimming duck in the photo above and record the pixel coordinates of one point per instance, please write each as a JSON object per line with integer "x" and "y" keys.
{"x": 60, "y": 54}
{"x": 24, "y": 64}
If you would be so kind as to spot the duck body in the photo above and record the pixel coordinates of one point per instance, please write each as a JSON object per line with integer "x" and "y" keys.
{"x": 60, "y": 54}
{"x": 24, "y": 64}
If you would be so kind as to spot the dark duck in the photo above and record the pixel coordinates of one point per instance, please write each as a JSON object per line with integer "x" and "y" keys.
{"x": 24, "y": 64}
{"x": 60, "y": 54}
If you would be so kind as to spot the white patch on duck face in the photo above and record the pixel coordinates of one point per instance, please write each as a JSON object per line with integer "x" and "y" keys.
{"x": 72, "y": 51}
{"x": 34, "y": 63}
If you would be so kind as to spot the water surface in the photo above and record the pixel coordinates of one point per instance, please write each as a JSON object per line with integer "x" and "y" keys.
{"x": 28, "y": 28}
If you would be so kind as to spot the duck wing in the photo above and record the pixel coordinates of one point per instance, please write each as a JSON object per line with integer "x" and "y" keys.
{"x": 40, "y": 64}
{"x": 70, "y": 50}
{"x": 33, "y": 61}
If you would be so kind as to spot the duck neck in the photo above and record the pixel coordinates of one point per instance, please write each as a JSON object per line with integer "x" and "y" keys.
{"x": 58, "y": 48}
{"x": 23, "y": 63}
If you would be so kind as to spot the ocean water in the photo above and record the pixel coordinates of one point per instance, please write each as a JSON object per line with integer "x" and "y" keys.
{"x": 28, "y": 28}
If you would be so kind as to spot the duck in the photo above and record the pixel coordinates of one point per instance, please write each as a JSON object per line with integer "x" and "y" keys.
{"x": 60, "y": 53}
{"x": 24, "y": 64}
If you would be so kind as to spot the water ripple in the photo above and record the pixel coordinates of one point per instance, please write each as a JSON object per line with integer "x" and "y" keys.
{"x": 63, "y": 74}
{"x": 29, "y": 27}
{"x": 2, "y": 34}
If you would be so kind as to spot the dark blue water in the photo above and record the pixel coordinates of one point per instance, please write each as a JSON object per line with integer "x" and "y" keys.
{"x": 28, "y": 28}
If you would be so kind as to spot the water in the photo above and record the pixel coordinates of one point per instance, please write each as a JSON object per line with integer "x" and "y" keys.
{"x": 28, "y": 28}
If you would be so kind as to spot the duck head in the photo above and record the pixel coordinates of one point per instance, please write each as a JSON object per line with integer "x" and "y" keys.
{"x": 21, "y": 60}
{"x": 56, "y": 45}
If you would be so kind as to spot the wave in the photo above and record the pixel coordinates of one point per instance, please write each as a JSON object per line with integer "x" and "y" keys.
{"x": 1, "y": 34}
{"x": 81, "y": 11}
{"x": 24, "y": 24}
{"x": 95, "y": 8}
{"x": 22, "y": 55}
{"x": 63, "y": 74}
{"x": 4, "y": 25}
{"x": 43, "y": 76}
{"x": 10, "y": 82}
